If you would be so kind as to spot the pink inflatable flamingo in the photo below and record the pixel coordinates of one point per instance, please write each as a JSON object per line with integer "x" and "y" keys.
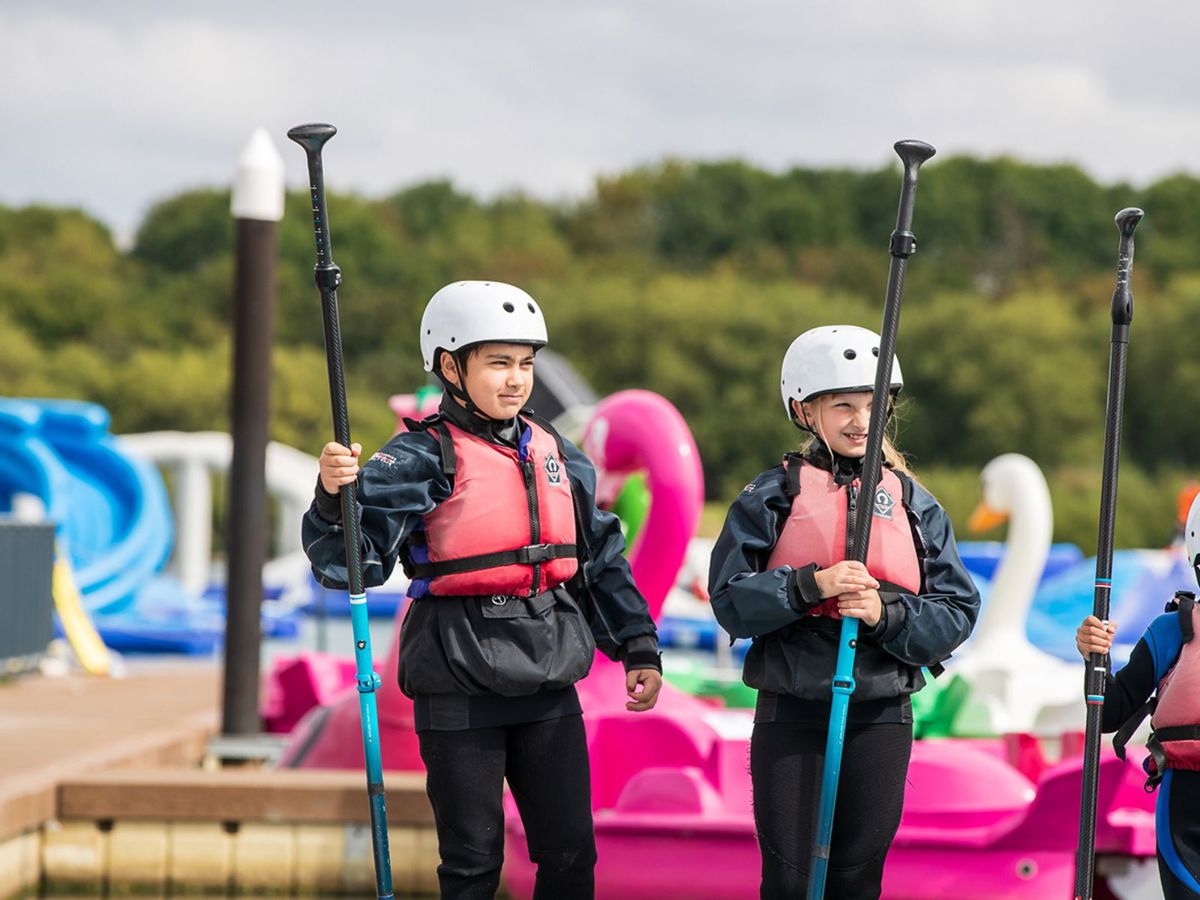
{"x": 414, "y": 406}
{"x": 640, "y": 430}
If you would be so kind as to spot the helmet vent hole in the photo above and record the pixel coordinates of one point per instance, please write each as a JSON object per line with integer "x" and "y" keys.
{"x": 532, "y": 308}
{"x": 429, "y": 331}
{"x": 508, "y": 307}
{"x": 452, "y": 340}
{"x": 875, "y": 351}
{"x": 850, "y": 354}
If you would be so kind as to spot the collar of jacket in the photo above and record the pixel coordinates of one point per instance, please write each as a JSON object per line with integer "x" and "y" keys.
{"x": 845, "y": 469}
{"x": 496, "y": 431}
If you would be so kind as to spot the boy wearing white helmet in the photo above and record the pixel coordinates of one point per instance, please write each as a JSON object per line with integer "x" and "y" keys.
{"x": 780, "y": 575}
{"x": 517, "y": 579}
{"x": 1162, "y": 680}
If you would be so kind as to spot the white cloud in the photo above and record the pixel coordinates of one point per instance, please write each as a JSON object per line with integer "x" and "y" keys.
{"x": 119, "y": 105}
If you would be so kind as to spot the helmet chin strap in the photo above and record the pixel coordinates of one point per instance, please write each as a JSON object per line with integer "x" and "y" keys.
{"x": 453, "y": 389}
{"x": 806, "y": 425}
{"x": 459, "y": 393}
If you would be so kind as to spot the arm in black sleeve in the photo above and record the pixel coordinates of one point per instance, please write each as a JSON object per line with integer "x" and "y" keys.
{"x": 923, "y": 629}
{"x": 748, "y": 598}
{"x": 619, "y": 617}
{"x": 396, "y": 487}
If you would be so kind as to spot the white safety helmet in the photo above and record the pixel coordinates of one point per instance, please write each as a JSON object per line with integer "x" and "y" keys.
{"x": 1191, "y": 532}
{"x": 832, "y": 359}
{"x": 473, "y": 312}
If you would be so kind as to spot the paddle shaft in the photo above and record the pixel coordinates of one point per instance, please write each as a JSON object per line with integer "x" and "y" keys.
{"x": 903, "y": 245}
{"x": 1098, "y": 663}
{"x": 328, "y": 277}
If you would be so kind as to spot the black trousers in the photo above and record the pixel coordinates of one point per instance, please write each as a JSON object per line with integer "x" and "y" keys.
{"x": 785, "y": 768}
{"x": 546, "y": 765}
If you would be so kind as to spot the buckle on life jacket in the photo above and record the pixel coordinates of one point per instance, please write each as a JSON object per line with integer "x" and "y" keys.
{"x": 1154, "y": 765}
{"x": 535, "y": 554}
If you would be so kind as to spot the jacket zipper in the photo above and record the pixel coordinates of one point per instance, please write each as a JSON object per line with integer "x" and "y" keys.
{"x": 851, "y": 515}
{"x": 535, "y": 525}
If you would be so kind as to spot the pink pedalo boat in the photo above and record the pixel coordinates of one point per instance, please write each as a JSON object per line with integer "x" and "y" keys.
{"x": 671, "y": 799}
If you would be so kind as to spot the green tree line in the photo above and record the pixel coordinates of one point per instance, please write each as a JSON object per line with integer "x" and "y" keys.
{"x": 688, "y": 278}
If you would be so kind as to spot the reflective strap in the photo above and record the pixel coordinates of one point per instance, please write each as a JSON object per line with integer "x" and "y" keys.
{"x": 523, "y": 556}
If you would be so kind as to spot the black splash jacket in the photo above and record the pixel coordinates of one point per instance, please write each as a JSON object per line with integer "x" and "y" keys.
{"x": 794, "y": 653}
{"x": 404, "y": 481}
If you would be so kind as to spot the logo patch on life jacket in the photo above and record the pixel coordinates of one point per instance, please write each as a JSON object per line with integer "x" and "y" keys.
{"x": 553, "y": 469}
{"x": 749, "y": 489}
{"x": 883, "y": 504}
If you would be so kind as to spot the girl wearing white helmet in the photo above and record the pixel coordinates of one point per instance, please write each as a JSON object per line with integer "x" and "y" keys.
{"x": 1162, "y": 680}
{"x": 517, "y": 579}
{"x": 780, "y": 575}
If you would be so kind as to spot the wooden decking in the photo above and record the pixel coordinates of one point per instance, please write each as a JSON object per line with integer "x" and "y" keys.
{"x": 100, "y": 788}
{"x": 53, "y": 729}
{"x": 246, "y": 795}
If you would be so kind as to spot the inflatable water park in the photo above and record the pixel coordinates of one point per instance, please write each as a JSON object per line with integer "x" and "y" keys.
{"x": 990, "y": 787}
{"x": 989, "y": 798}
{"x": 993, "y": 777}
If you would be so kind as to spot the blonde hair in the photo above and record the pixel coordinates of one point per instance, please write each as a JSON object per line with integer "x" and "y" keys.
{"x": 893, "y": 457}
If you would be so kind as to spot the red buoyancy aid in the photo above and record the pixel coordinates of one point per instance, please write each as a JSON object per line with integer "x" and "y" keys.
{"x": 508, "y": 527}
{"x": 1176, "y": 719}
{"x": 818, "y": 528}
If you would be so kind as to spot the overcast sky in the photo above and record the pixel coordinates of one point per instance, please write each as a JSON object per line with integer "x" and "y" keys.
{"x": 112, "y": 106}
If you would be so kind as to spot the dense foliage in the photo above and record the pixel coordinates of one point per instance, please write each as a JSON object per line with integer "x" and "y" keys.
{"x": 686, "y": 278}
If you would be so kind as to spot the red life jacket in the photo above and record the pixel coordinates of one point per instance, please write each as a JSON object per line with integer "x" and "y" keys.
{"x": 508, "y": 526}
{"x": 1176, "y": 719}
{"x": 820, "y": 529}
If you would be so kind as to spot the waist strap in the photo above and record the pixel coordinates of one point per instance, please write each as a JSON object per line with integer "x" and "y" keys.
{"x": 533, "y": 555}
{"x": 1178, "y": 733}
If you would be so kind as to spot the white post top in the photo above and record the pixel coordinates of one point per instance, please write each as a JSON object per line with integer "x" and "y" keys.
{"x": 258, "y": 188}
